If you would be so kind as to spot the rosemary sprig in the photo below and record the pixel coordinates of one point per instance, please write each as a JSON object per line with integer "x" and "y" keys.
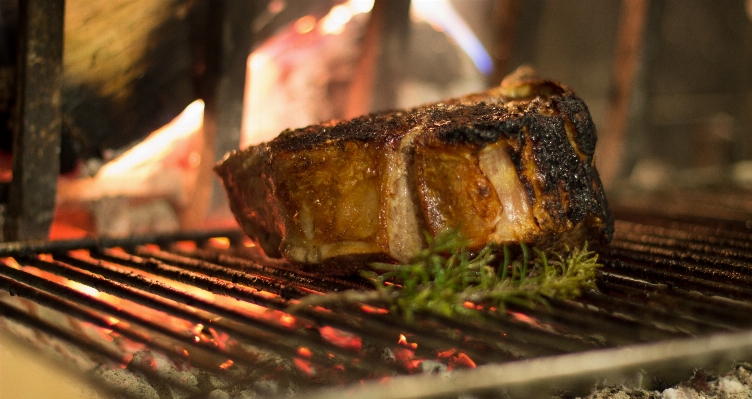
{"x": 445, "y": 278}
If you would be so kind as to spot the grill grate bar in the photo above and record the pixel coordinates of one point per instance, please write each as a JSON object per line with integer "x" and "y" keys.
{"x": 684, "y": 240}
{"x": 94, "y": 316}
{"x": 663, "y": 274}
{"x": 610, "y": 327}
{"x": 432, "y": 340}
{"x": 711, "y": 267}
{"x": 376, "y": 328}
{"x": 93, "y": 349}
{"x": 274, "y": 285}
{"x": 377, "y": 332}
{"x": 266, "y": 268}
{"x": 721, "y": 312}
{"x": 31, "y": 248}
{"x": 662, "y": 279}
{"x": 158, "y": 268}
{"x": 523, "y": 336}
{"x": 49, "y": 294}
{"x": 646, "y": 313}
{"x": 730, "y": 274}
{"x": 279, "y": 339}
{"x": 694, "y": 227}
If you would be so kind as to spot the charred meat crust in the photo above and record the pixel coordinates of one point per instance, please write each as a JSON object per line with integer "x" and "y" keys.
{"x": 570, "y": 191}
{"x": 543, "y": 129}
{"x": 251, "y": 197}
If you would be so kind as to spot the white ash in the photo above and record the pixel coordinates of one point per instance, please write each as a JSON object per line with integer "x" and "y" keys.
{"x": 218, "y": 394}
{"x": 736, "y": 384}
{"x": 166, "y": 380}
{"x": 122, "y": 216}
{"x": 128, "y": 384}
{"x": 432, "y": 367}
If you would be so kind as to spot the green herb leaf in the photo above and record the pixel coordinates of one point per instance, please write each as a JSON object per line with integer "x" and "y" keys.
{"x": 446, "y": 279}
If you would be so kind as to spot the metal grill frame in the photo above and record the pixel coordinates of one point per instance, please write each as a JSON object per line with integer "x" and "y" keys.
{"x": 706, "y": 285}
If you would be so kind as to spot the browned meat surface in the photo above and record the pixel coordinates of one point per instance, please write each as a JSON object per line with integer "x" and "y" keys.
{"x": 508, "y": 165}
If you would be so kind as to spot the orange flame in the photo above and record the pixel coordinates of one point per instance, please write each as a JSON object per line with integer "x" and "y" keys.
{"x": 160, "y": 143}
{"x": 269, "y": 66}
{"x": 165, "y": 164}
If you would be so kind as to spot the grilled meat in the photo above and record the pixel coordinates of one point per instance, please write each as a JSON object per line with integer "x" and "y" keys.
{"x": 511, "y": 164}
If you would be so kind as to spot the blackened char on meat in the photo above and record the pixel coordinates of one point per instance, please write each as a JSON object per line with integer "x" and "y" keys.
{"x": 511, "y": 164}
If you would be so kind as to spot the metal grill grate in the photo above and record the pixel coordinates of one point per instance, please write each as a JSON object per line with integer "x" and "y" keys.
{"x": 223, "y": 311}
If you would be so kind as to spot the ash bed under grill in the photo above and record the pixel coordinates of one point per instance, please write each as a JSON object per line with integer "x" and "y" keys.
{"x": 674, "y": 294}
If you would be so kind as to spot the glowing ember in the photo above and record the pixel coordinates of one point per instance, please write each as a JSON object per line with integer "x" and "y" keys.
{"x": 523, "y": 318}
{"x": 11, "y": 263}
{"x": 219, "y": 339}
{"x": 404, "y": 354}
{"x": 403, "y": 341}
{"x": 197, "y": 329}
{"x": 373, "y": 310}
{"x": 456, "y": 359}
{"x": 226, "y": 365}
{"x": 152, "y": 247}
{"x": 413, "y": 364}
{"x": 220, "y": 242}
{"x": 83, "y": 288}
{"x": 463, "y": 360}
{"x": 304, "y": 366}
{"x": 447, "y": 353}
{"x": 287, "y": 320}
{"x": 79, "y": 252}
{"x": 531, "y": 321}
{"x": 341, "y": 338}
{"x": 185, "y": 245}
{"x": 304, "y": 352}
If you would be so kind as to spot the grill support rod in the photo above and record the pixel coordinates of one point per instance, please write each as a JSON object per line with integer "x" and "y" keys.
{"x": 578, "y": 372}
{"x": 38, "y": 121}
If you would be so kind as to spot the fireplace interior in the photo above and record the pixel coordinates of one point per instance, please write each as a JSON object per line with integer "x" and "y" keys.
{"x": 123, "y": 270}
